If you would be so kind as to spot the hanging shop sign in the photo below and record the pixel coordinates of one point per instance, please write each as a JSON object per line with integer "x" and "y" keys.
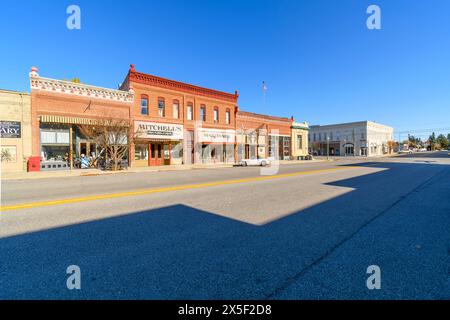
{"x": 10, "y": 129}
{"x": 153, "y": 130}
{"x": 215, "y": 136}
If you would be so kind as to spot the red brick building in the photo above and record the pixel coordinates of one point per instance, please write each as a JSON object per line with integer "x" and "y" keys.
{"x": 173, "y": 122}
{"x": 177, "y": 123}
{"x": 263, "y": 136}
{"x": 59, "y": 107}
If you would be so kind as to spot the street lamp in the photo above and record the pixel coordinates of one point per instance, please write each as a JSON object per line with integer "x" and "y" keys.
{"x": 328, "y": 147}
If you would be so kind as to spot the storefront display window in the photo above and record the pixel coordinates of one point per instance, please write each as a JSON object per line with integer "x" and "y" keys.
{"x": 141, "y": 152}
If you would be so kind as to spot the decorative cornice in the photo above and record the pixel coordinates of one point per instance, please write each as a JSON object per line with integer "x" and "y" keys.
{"x": 78, "y": 89}
{"x": 151, "y": 80}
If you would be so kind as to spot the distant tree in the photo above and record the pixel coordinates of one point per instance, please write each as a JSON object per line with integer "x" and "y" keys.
{"x": 432, "y": 141}
{"x": 442, "y": 141}
{"x": 392, "y": 145}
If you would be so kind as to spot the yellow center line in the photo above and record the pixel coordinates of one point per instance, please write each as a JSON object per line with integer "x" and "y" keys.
{"x": 164, "y": 189}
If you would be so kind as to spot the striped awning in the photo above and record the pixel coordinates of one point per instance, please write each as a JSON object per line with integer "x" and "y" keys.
{"x": 72, "y": 120}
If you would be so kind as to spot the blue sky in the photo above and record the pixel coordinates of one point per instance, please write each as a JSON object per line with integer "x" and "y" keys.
{"x": 320, "y": 62}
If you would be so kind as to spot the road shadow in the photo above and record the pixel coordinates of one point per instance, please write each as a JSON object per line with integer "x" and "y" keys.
{"x": 180, "y": 252}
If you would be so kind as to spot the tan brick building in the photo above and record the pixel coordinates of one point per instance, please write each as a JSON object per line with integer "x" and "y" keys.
{"x": 15, "y": 127}
{"x": 300, "y": 137}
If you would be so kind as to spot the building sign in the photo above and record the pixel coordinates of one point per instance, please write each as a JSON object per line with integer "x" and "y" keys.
{"x": 215, "y": 136}
{"x": 10, "y": 129}
{"x": 153, "y": 130}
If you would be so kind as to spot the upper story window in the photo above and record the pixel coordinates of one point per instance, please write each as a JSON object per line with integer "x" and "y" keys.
{"x": 314, "y": 137}
{"x": 331, "y": 135}
{"x": 190, "y": 115}
{"x": 227, "y": 116}
{"x": 299, "y": 142}
{"x": 161, "y": 107}
{"x": 176, "y": 109}
{"x": 216, "y": 114}
{"x": 144, "y": 105}
{"x": 203, "y": 112}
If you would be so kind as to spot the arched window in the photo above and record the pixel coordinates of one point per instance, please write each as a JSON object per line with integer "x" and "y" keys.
{"x": 144, "y": 104}
{"x": 161, "y": 107}
{"x": 190, "y": 114}
{"x": 176, "y": 109}
{"x": 203, "y": 112}
{"x": 228, "y": 116}
{"x": 216, "y": 114}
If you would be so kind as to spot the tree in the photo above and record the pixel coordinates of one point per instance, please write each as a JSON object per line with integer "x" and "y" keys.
{"x": 432, "y": 141}
{"x": 442, "y": 141}
{"x": 113, "y": 137}
{"x": 392, "y": 145}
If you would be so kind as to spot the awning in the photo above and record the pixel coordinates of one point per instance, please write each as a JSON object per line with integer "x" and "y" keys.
{"x": 72, "y": 120}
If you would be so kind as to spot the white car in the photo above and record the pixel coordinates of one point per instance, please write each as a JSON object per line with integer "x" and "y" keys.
{"x": 406, "y": 151}
{"x": 255, "y": 162}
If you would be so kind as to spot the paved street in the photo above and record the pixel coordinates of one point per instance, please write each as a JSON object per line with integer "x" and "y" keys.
{"x": 308, "y": 232}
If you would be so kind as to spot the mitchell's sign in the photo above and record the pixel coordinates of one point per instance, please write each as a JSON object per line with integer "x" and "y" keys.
{"x": 215, "y": 136}
{"x": 10, "y": 129}
{"x": 153, "y": 130}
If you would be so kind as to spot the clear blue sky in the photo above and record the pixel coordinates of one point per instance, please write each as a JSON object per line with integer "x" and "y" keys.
{"x": 320, "y": 62}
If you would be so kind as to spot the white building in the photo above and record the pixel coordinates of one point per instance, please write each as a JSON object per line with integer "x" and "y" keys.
{"x": 364, "y": 138}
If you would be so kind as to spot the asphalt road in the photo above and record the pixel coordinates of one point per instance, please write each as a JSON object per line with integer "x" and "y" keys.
{"x": 308, "y": 233}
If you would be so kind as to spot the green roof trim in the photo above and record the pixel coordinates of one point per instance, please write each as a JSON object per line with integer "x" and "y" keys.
{"x": 300, "y": 127}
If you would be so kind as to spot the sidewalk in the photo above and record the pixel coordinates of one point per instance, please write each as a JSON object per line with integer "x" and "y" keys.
{"x": 97, "y": 172}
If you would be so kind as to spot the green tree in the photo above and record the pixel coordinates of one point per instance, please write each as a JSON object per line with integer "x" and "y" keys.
{"x": 442, "y": 141}
{"x": 432, "y": 141}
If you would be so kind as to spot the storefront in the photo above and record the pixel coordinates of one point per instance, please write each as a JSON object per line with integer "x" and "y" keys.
{"x": 214, "y": 146}
{"x": 15, "y": 130}
{"x": 279, "y": 146}
{"x": 63, "y": 117}
{"x": 251, "y": 143}
{"x": 158, "y": 144}
{"x": 299, "y": 139}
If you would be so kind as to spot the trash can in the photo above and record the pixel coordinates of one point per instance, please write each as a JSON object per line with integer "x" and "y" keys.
{"x": 34, "y": 164}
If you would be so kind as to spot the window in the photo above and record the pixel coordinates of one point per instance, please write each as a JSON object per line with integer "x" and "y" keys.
{"x": 331, "y": 136}
{"x": 299, "y": 142}
{"x": 216, "y": 115}
{"x": 203, "y": 113}
{"x": 141, "y": 152}
{"x": 176, "y": 109}
{"x": 314, "y": 137}
{"x": 161, "y": 107}
{"x": 189, "y": 111}
{"x": 144, "y": 105}
{"x": 227, "y": 116}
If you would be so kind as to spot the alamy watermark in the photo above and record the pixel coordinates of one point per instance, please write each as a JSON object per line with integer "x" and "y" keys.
{"x": 74, "y": 280}
{"x": 374, "y": 280}
{"x": 73, "y": 22}
{"x": 374, "y": 20}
